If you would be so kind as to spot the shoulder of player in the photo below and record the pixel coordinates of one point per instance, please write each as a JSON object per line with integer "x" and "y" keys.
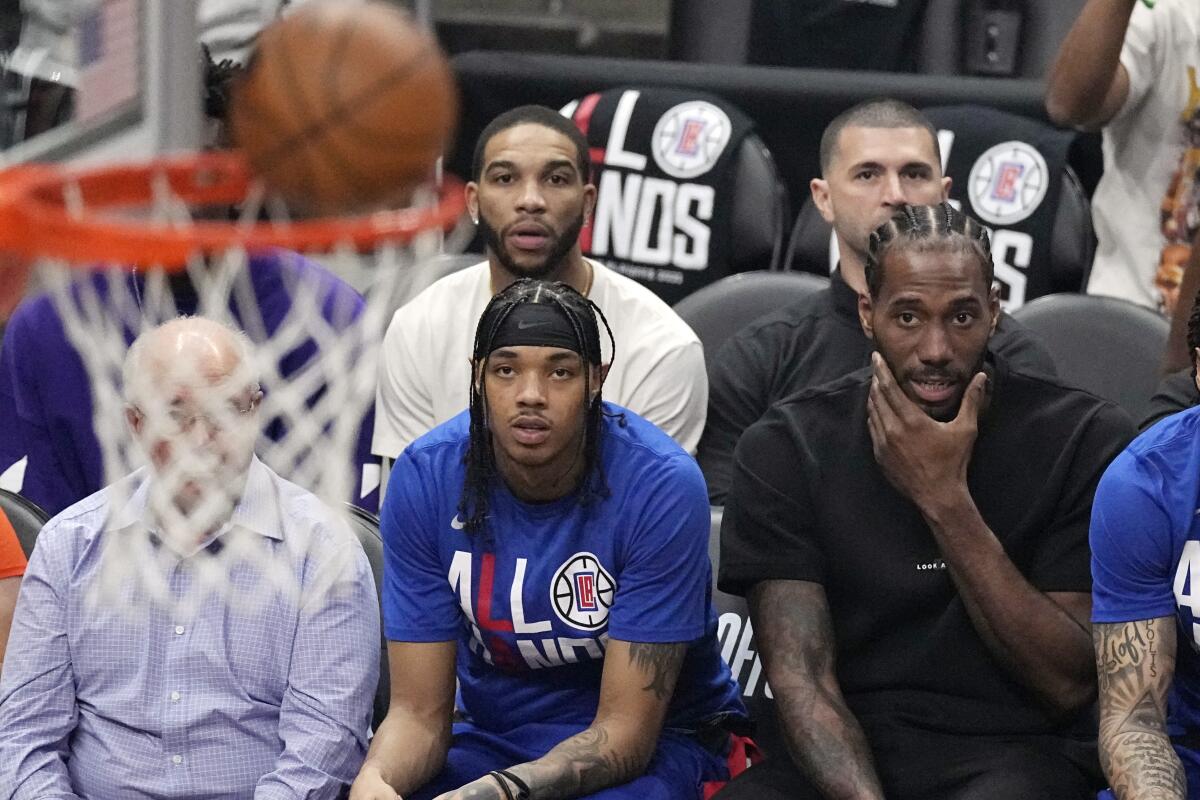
{"x": 780, "y": 330}
{"x": 634, "y": 312}
{"x": 1167, "y": 440}
{"x": 815, "y": 412}
{"x": 841, "y": 393}
{"x": 631, "y": 439}
{"x": 441, "y": 446}
{"x": 1052, "y": 395}
{"x": 449, "y": 295}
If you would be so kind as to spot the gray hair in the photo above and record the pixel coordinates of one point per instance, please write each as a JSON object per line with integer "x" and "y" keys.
{"x": 132, "y": 370}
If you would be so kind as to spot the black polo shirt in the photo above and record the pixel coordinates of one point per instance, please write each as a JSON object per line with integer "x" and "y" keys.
{"x": 808, "y": 343}
{"x": 810, "y": 503}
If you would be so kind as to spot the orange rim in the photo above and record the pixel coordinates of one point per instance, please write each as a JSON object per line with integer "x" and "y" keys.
{"x": 35, "y": 219}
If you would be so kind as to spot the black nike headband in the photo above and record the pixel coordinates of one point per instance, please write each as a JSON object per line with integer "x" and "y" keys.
{"x": 544, "y": 325}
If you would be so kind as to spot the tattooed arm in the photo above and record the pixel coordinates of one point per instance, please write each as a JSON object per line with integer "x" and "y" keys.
{"x": 1135, "y": 662}
{"x": 795, "y": 639}
{"x": 638, "y": 682}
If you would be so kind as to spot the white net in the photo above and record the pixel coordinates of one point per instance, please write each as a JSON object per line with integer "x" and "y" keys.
{"x": 179, "y": 433}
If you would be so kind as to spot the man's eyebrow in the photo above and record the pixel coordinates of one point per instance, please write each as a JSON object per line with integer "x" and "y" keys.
{"x": 503, "y": 353}
{"x": 560, "y": 163}
{"x": 499, "y": 164}
{"x": 563, "y": 356}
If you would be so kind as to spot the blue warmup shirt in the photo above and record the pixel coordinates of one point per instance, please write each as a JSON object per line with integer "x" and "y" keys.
{"x": 533, "y": 598}
{"x": 1145, "y": 539}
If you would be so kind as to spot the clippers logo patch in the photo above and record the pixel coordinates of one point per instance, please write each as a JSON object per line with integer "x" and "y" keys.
{"x": 689, "y": 139}
{"x": 1008, "y": 183}
{"x": 582, "y": 592}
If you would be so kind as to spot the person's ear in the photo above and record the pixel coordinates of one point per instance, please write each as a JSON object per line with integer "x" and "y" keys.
{"x": 994, "y": 307}
{"x": 589, "y": 202}
{"x": 819, "y": 188}
{"x": 471, "y": 192}
{"x": 947, "y": 182}
{"x": 865, "y": 309}
{"x": 134, "y": 419}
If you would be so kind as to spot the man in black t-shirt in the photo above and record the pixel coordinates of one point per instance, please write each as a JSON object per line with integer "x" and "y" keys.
{"x": 912, "y": 539}
{"x": 875, "y": 157}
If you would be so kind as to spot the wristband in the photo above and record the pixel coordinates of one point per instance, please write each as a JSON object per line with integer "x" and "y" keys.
{"x": 502, "y": 777}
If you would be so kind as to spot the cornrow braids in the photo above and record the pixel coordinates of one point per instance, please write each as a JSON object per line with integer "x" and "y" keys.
{"x": 940, "y": 227}
{"x": 581, "y": 313}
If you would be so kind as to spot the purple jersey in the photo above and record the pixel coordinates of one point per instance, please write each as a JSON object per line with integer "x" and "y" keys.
{"x": 46, "y": 399}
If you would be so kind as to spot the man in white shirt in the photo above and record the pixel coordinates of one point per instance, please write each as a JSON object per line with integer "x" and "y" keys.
{"x": 1130, "y": 68}
{"x": 531, "y": 195}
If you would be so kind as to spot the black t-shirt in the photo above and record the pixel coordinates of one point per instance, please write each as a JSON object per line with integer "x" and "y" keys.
{"x": 1175, "y": 393}
{"x": 811, "y": 342}
{"x": 836, "y": 34}
{"x": 810, "y": 503}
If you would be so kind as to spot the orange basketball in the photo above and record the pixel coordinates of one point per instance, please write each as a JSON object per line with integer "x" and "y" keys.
{"x": 345, "y": 106}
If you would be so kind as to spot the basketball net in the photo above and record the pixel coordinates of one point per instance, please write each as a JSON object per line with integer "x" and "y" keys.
{"x": 114, "y": 249}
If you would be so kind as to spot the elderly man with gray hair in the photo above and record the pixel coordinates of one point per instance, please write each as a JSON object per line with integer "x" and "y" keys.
{"x": 201, "y": 628}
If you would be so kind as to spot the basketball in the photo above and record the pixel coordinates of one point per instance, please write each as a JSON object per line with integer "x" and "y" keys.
{"x": 344, "y": 107}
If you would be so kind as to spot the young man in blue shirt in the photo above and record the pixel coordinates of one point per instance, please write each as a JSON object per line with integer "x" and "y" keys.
{"x": 550, "y": 548}
{"x": 1145, "y": 539}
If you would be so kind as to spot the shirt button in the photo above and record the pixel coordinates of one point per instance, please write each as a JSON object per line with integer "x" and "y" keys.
{"x": 175, "y": 696}
{"x": 177, "y": 759}
{"x": 178, "y": 630}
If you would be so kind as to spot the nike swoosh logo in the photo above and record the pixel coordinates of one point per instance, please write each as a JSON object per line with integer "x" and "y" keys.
{"x": 456, "y": 523}
{"x": 523, "y": 326}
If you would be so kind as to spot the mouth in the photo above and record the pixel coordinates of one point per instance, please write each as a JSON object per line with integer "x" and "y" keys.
{"x": 934, "y": 390}
{"x": 529, "y": 237}
{"x": 530, "y": 431}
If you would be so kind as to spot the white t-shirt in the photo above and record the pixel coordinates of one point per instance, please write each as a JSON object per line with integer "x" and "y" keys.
{"x": 425, "y": 373}
{"x": 1149, "y": 154}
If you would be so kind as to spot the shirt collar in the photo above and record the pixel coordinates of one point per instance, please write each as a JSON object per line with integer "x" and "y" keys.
{"x": 256, "y": 509}
{"x": 843, "y": 298}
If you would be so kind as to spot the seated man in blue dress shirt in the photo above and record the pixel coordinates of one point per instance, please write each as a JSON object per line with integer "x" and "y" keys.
{"x": 201, "y": 628}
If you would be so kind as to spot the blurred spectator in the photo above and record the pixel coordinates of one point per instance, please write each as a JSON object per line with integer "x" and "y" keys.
{"x": 1130, "y": 69}
{"x": 1179, "y": 390}
{"x": 12, "y": 567}
{"x": 836, "y": 34}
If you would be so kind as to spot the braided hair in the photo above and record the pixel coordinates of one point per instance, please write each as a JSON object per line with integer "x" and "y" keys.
{"x": 581, "y": 314}
{"x": 940, "y": 227}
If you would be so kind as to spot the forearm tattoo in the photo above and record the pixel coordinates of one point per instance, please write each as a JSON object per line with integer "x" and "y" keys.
{"x": 660, "y": 663}
{"x": 1135, "y": 662}
{"x": 795, "y": 636}
{"x": 580, "y": 765}
{"x": 591, "y": 760}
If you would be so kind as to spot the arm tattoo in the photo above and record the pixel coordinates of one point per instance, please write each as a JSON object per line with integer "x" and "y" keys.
{"x": 795, "y": 638}
{"x": 580, "y": 765}
{"x": 1135, "y": 662}
{"x": 661, "y": 663}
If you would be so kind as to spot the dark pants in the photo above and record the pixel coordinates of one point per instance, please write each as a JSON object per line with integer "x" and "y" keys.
{"x": 915, "y": 764}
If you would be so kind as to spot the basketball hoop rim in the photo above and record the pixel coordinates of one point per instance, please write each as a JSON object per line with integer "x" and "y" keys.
{"x": 35, "y": 220}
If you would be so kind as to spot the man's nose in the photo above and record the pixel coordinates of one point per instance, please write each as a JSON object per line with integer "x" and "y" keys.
{"x": 934, "y": 346}
{"x": 893, "y": 190}
{"x": 532, "y": 391}
{"x": 531, "y": 199}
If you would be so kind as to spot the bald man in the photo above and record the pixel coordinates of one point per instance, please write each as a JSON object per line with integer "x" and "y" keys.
{"x": 166, "y": 688}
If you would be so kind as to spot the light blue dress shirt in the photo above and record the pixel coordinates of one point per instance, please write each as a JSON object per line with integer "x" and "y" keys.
{"x": 230, "y": 701}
